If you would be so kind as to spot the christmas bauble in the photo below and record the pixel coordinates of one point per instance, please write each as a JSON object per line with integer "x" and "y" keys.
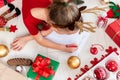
{"x": 73, "y": 62}
{"x": 112, "y": 65}
{"x": 3, "y": 50}
{"x": 93, "y": 50}
{"x": 100, "y": 73}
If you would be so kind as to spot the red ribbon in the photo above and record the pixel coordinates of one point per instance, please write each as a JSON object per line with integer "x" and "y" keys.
{"x": 102, "y": 19}
{"x": 42, "y": 67}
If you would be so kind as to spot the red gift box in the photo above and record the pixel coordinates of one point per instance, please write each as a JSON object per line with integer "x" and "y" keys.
{"x": 113, "y": 30}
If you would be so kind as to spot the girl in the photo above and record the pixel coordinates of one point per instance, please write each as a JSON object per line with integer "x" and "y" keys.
{"x": 51, "y": 23}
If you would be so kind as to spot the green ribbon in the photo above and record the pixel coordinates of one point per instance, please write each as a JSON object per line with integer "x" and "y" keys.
{"x": 114, "y": 8}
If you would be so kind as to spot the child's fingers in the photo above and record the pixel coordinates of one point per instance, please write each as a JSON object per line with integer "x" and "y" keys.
{"x": 16, "y": 47}
{"x": 14, "y": 44}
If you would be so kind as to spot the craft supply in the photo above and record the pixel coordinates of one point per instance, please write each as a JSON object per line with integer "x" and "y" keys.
{"x": 94, "y": 49}
{"x": 4, "y": 19}
{"x": 43, "y": 68}
{"x": 3, "y": 50}
{"x": 71, "y": 46}
{"x": 73, "y": 62}
{"x": 112, "y": 65}
{"x": 19, "y": 61}
{"x": 19, "y": 69}
{"x": 100, "y": 73}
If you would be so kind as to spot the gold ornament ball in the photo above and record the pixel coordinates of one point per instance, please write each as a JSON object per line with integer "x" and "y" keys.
{"x": 3, "y": 50}
{"x": 73, "y": 62}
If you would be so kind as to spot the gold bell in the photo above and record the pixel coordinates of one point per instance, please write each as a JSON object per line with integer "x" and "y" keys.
{"x": 3, "y": 50}
{"x": 73, "y": 62}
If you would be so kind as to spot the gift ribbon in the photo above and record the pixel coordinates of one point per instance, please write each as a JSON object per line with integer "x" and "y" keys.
{"x": 117, "y": 32}
{"x": 100, "y": 19}
{"x": 42, "y": 67}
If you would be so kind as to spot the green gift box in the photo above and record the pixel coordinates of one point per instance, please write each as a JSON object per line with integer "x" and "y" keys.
{"x": 53, "y": 63}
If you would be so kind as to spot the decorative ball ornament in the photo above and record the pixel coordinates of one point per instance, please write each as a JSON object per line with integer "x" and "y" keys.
{"x": 73, "y": 62}
{"x": 100, "y": 73}
{"x": 112, "y": 65}
{"x": 94, "y": 49}
{"x": 3, "y": 50}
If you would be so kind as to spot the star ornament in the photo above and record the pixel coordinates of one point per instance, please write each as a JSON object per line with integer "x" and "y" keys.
{"x": 13, "y": 28}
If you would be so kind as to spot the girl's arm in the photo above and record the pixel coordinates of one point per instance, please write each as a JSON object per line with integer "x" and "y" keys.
{"x": 20, "y": 42}
{"x": 47, "y": 43}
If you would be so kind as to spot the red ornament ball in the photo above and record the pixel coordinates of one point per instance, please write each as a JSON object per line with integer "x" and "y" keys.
{"x": 93, "y": 50}
{"x": 100, "y": 73}
{"x": 112, "y": 65}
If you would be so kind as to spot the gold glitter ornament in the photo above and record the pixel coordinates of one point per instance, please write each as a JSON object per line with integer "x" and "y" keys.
{"x": 73, "y": 62}
{"x": 3, "y": 50}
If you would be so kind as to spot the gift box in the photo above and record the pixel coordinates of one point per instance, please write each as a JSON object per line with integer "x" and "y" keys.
{"x": 43, "y": 68}
{"x": 113, "y": 30}
{"x": 9, "y": 74}
{"x": 4, "y": 2}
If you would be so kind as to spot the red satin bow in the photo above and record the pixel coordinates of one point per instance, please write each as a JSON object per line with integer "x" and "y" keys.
{"x": 104, "y": 21}
{"x": 42, "y": 67}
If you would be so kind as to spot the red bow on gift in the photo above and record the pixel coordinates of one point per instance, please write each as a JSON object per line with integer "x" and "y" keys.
{"x": 42, "y": 67}
{"x": 104, "y": 21}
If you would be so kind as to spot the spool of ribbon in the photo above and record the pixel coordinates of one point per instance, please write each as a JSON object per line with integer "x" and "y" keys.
{"x": 42, "y": 67}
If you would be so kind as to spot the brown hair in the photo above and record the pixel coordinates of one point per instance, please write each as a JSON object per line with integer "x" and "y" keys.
{"x": 64, "y": 14}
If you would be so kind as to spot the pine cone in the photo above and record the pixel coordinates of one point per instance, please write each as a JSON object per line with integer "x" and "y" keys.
{"x": 19, "y": 61}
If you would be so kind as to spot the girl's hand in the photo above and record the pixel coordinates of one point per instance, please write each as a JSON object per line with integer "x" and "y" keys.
{"x": 18, "y": 43}
{"x": 71, "y": 47}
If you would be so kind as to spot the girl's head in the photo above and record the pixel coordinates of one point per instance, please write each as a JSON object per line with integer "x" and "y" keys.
{"x": 64, "y": 15}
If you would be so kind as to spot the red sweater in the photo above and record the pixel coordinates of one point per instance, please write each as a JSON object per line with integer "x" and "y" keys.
{"x": 31, "y": 22}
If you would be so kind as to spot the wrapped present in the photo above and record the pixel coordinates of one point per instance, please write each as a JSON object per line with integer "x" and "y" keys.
{"x": 113, "y": 30}
{"x": 4, "y": 2}
{"x": 43, "y": 68}
{"x": 9, "y": 74}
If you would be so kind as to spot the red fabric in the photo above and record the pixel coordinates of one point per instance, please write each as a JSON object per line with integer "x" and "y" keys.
{"x": 31, "y": 22}
{"x": 112, "y": 29}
